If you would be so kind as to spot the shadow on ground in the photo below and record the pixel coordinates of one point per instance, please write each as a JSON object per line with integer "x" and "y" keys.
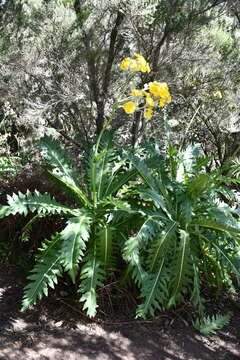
{"x": 54, "y": 331}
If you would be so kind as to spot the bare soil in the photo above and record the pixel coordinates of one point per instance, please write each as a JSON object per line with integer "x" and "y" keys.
{"x": 56, "y": 329}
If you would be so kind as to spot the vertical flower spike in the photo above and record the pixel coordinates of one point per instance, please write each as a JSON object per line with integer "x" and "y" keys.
{"x": 154, "y": 93}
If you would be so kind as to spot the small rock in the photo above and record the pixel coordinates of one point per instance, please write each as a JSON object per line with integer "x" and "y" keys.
{"x": 19, "y": 325}
{"x": 59, "y": 323}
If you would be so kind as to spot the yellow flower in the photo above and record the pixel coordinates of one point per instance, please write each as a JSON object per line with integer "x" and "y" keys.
{"x": 168, "y": 99}
{"x": 148, "y": 68}
{"x": 161, "y": 102}
{"x": 136, "y": 92}
{"x": 148, "y": 113}
{"x": 134, "y": 65}
{"x": 129, "y": 107}
{"x": 143, "y": 64}
{"x": 138, "y": 56}
{"x": 159, "y": 89}
{"x": 144, "y": 67}
{"x": 125, "y": 64}
{"x": 149, "y": 100}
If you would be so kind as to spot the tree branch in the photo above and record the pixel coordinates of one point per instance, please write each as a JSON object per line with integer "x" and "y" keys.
{"x": 157, "y": 49}
{"x": 111, "y": 51}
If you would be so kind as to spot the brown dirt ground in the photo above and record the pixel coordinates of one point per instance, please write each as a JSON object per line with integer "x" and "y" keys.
{"x": 56, "y": 330}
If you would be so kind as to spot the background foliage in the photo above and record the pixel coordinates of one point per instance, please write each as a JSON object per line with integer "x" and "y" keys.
{"x": 60, "y": 73}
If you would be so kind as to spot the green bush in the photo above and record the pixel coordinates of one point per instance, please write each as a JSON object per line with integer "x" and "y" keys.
{"x": 188, "y": 234}
{"x": 157, "y": 219}
{"x": 87, "y": 247}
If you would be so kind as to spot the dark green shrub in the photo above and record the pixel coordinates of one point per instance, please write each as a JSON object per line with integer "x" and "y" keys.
{"x": 187, "y": 235}
{"x": 90, "y": 242}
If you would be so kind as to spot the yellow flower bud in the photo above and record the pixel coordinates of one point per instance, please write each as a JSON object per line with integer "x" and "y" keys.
{"x": 143, "y": 64}
{"x": 136, "y": 92}
{"x": 149, "y": 100}
{"x": 148, "y": 68}
{"x": 125, "y": 64}
{"x": 168, "y": 99}
{"x": 144, "y": 68}
{"x": 161, "y": 102}
{"x": 148, "y": 113}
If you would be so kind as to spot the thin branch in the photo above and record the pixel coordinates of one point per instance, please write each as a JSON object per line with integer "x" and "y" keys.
{"x": 156, "y": 52}
{"x": 111, "y": 51}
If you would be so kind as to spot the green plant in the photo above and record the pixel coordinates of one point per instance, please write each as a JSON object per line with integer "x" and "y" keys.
{"x": 9, "y": 165}
{"x": 9, "y": 168}
{"x": 88, "y": 245}
{"x": 207, "y": 326}
{"x": 187, "y": 235}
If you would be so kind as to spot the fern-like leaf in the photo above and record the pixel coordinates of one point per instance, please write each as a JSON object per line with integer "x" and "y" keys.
{"x": 105, "y": 158}
{"x": 232, "y": 261}
{"x": 196, "y": 298}
{"x": 131, "y": 251}
{"x": 116, "y": 203}
{"x": 147, "y": 232}
{"x": 154, "y": 291}
{"x": 45, "y": 273}
{"x": 26, "y": 231}
{"x": 100, "y": 162}
{"x": 105, "y": 246}
{"x": 41, "y": 203}
{"x": 222, "y": 223}
{"x": 9, "y": 164}
{"x": 143, "y": 171}
{"x": 158, "y": 249}
{"x": 118, "y": 180}
{"x": 61, "y": 168}
{"x": 92, "y": 276}
{"x": 74, "y": 237}
{"x": 186, "y": 162}
{"x": 157, "y": 199}
{"x": 208, "y": 326}
{"x": 181, "y": 268}
{"x": 198, "y": 185}
{"x": 57, "y": 158}
{"x": 137, "y": 271}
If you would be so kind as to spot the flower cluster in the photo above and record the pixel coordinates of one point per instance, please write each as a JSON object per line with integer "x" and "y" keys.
{"x": 154, "y": 93}
{"x": 138, "y": 64}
